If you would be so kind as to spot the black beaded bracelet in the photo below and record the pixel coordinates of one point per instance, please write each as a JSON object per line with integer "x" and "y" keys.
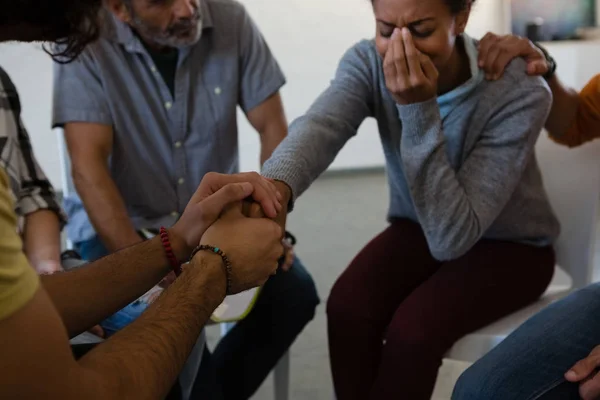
{"x": 226, "y": 262}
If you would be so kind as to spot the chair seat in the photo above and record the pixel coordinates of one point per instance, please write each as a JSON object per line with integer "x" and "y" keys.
{"x": 473, "y": 346}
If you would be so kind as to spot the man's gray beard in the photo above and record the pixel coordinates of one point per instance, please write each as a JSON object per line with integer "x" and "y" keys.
{"x": 161, "y": 39}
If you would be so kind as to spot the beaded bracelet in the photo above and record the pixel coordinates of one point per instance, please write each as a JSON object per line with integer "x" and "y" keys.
{"x": 164, "y": 239}
{"x": 226, "y": 262}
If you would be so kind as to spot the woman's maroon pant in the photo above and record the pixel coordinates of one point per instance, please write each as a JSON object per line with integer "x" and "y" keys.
{"x": 395, "y": 311}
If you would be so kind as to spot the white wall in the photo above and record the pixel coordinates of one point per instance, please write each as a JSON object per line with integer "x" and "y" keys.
{"x": 297, "y": 32}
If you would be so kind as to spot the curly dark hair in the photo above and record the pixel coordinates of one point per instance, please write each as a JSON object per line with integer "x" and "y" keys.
{"x": 71, "y": 24}
{"x": 457, "y": 6}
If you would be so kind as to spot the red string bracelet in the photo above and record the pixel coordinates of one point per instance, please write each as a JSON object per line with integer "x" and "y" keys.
{"x": 166, "y": 243}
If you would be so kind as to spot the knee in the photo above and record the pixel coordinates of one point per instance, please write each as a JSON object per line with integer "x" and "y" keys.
{"x": 469, "y": 386}
{"x": 476, "y": 384}
{"x": 345, "y": 303}
{"x": 303, "y": 292}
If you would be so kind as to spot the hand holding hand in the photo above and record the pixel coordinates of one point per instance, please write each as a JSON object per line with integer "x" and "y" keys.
{"x": 216, "y": 191}
{"x": 496, "y": 52}
{"x": 586, "y": 373}
{"x": 252, "y": 245}
{"x": 410, "y": 75}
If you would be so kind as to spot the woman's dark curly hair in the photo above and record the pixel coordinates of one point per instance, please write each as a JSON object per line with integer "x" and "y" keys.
{"x": 71, "y": 24}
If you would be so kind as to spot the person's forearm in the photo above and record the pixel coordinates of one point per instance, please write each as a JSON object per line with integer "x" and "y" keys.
{"x": 270, "y": 139}
{"x": 564, "y": 108}
{"x": 105, "y": 207}
{"x": 89, "y": 294}
{"x": 41, "y": 239}
{"x": 143, "y": 360}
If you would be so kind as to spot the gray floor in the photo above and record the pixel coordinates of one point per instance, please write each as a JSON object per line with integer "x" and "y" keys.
{"x": 332, "y": 221}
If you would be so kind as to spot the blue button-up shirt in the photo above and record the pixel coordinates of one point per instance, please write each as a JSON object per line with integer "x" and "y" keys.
{"x": 163, "y": 144}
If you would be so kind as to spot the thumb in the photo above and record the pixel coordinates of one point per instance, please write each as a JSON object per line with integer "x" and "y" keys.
{"x": 581, "y": 370}
{"x": 537, "y": 67}
{"x": 228, "y": 194}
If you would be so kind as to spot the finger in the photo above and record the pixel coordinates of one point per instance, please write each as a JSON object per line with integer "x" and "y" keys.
{"x": 486, "y": 43}
{"x": 582, "y": 369}
{"x": 268, "y": 196}
{"x": 97, "y": 330}
{"x": 264, "y": 192}
{"x": 590, "y": 390}
{"x": 256, "y": 211}
{"x": 507, "y": 51}
{"x": 412, "y": 56}
{"x": 389, "y": 68}
{"x": 228, "y": 195}
{"x": 537, "y": 67}
{"x": 429, "y": 69}
{"x": 490, "y": 60}
{"x": 397, "y": 44}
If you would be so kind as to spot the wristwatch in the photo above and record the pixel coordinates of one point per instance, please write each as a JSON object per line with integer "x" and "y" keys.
{"x": 551, "y": 62}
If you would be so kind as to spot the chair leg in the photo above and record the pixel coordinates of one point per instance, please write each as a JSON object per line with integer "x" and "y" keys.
{"x": 281, "y": 376}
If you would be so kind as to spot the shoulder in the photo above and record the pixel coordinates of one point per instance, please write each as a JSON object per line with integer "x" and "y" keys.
{"x": 362, "y": 58}
{"x": 516, "y": 83}
{"x": 227, "y": 11}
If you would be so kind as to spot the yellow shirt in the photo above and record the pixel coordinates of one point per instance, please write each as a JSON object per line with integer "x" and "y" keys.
{"x": 586, "y": 126}
{"x": 18, "y": 281}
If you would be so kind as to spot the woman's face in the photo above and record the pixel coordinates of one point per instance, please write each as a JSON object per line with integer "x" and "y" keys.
{"x": 433, "y": 27}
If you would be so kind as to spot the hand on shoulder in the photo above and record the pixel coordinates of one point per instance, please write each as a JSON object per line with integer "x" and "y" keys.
{"x": 497, "y": 51}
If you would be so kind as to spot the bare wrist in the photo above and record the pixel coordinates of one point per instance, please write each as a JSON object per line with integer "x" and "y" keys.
{"x": 180, "y": 248}
{"x": 210, "y": 267}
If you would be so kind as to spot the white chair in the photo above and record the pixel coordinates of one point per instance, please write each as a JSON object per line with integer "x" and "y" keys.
{"x": 572, "y": 180}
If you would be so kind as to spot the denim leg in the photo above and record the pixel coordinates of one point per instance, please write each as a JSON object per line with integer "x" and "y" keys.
{"x": 531, "y": 362}
{"x": 246, "y": 355}
{"x": 92, "y": 249}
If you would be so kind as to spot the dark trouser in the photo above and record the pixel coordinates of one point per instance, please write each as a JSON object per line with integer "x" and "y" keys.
{"x": 395, "y": 311}
{"x": 246, "y": 355}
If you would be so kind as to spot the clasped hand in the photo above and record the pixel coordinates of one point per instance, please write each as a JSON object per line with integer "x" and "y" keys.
{"x": 410, "y": 75}
{"x": 214, "y": 216}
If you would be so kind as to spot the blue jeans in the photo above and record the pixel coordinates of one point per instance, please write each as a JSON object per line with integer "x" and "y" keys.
{"x": 245, "y": 356}
{"x": 531, "y": 362}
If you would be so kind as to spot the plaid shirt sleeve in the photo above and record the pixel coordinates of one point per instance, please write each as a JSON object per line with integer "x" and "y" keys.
{"x": 31, "y": 188}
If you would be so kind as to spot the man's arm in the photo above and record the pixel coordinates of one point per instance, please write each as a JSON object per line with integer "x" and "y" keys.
{"x": 142, "y": 361}
{"x": 41, "y": 241}
{"x": 90, "y": 146}
{"x": 268, "y": 118}
{"x": 117, "y": 279}
{"x": 564, "y": 109}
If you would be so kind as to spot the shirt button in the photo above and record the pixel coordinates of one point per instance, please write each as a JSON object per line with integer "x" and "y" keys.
{"x": 181, "y": 181}
{"x": 168, "y": 105}
{"x": 175, "y": 214}
{"x": 177, "y": 144}
{"x": 217, "y": 90}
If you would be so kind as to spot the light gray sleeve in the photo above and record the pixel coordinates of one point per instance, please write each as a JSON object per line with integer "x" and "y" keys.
{"x": 315, "y": 139}
{"x": 260, "y": 74}
{"x": 78, "y": 93}
{"x": 456, "y": 208}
